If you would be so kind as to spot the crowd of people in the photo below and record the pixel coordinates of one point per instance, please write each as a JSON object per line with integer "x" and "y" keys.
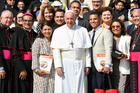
{"x": 85, "y": 48}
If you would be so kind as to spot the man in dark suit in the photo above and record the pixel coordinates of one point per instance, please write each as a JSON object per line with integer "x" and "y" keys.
{"x": 96, "y": 4}
{"x": 131, "y": 29}
{"x": 76, "y": 7}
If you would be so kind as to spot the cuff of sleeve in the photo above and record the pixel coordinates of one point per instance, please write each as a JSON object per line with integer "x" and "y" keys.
{"x": 108, "y": 66}
{"x": 1, "y": 68}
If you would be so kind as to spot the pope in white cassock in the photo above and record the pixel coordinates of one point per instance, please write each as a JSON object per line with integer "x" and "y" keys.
{"x": 71, "y": 44}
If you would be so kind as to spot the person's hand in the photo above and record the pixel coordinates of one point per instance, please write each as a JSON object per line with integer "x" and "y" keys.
{"x": 121, "y": 18}
{"x": 23, "y": 75}
{"x": 2, "y": 74}
{"x": 87, "y": 70}
{"x": 44, "y": 4}
{"x": 41, "y": 73}
{"x": 35, "y": 9}
{"x": 122, "y": 56}
{"x": 59, "y": 71}
{"x": 106, "y": 70}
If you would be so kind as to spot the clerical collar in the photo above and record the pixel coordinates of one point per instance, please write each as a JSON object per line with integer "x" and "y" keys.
{"x": 27, "y": 30}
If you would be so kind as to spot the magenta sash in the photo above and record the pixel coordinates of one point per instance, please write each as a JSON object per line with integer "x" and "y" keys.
{"x": 135, "y": 56}
{"x": 26, "y": 55}
{"x": 6, "y": 54}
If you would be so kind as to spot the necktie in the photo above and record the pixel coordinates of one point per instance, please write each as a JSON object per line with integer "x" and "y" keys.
{"x": 92, "y": 40}
{"x": 91, "y": 50}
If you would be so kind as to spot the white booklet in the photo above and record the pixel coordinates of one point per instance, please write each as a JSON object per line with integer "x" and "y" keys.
{"x": 45, "y": 63}
{"x": 101, "y": 60}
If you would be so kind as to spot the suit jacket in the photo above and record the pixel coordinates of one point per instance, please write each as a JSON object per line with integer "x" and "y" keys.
{"x": 83, "y": 23}
{"x": 102, "y": 44}
{"x": 130, "y": 29}
{"x": 124, "y": 46}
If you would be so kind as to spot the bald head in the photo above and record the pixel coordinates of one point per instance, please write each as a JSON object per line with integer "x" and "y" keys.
{"x": 6, "y": 18}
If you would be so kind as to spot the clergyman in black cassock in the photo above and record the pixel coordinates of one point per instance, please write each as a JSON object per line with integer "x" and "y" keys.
{"x": 21, "y": 43}
{"x": 6, "y": 65}
{"x": 21, "y": 53}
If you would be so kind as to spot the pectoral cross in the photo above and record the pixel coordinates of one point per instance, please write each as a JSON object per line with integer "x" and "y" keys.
{"x": 72, "y": 44}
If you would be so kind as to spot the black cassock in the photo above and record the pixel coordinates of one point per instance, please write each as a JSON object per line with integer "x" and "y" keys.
{"x": 21, "y": 43}
{"x": 135, "y": 62}
{"x": 5, "y": 59}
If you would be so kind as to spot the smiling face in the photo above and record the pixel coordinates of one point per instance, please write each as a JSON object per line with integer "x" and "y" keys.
{"x": 70, "y": 19}
{"x": 21, "y": 5}
{"x": 59, "y": 18}
{"x": 27, "y": 22}
{"x": 106, "y": 16}
{"x": 136, "y": 17}
{"x": 94, "y": 20}
{"x": 47, "y": 31}
{"x": 48, "y": 15}
{"x": 6, "y": 18}
{"x": 76, "y": 8}
{"x": 10, "y": 2}
{"x": 20, "y": 18}
{"x": 116, "y": 28}
{"x": 96, "y": 4}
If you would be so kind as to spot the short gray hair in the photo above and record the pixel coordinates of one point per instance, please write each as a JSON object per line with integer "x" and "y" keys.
{"x": 5, "y": 11}
{"x": 135, "y": 9}
{"x": 70, "y": 11}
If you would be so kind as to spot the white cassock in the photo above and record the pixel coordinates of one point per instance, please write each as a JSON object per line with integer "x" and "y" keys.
{"x": 71, "y": 52}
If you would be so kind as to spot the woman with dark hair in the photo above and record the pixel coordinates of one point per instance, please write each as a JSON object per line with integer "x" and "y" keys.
{"x": 18, "y": 20}
{"x": 121, "y": 71}
{"x": 43, "y": 82}
{"x": 46, "y": 14}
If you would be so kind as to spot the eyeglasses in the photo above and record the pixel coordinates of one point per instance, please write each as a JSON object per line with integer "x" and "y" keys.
{"x": 8, "y": 18}
{"x": 29, "y": 21}
{"x": 11, "y": 0}
{"x": 135, "y": 16}
{"x": 74, "y": 7}
{"x": 20, "y": 18}
{"x": 96, "y": 2}
{"x": 116, "y": 26}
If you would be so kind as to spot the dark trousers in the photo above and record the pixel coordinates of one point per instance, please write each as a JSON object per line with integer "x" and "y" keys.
{"x": 96, "y": 80}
